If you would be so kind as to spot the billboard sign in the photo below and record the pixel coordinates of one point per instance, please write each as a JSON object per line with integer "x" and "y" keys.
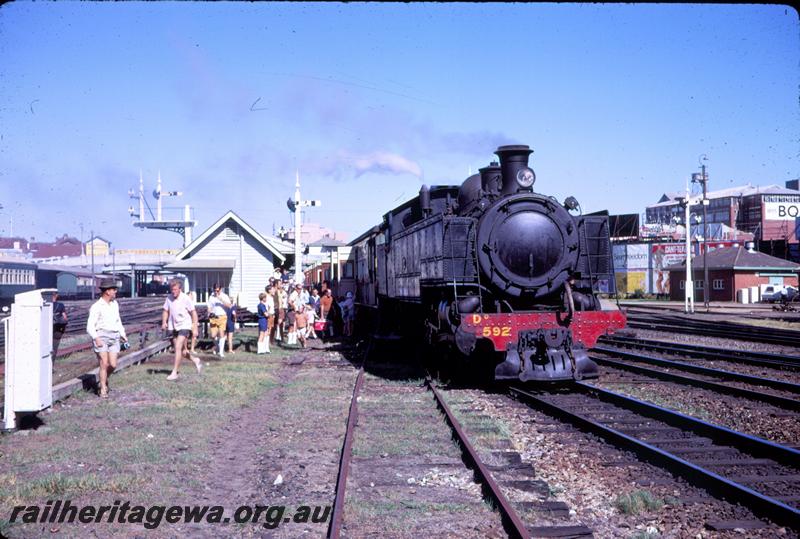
{"x": 664, "y": 255}
{"x": 781, "y": 211}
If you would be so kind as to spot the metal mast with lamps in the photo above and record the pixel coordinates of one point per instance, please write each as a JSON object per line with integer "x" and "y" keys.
{"x": 181, "y": 226}
{"x": 702, "y": 178}
{"x": 294, "y": 206}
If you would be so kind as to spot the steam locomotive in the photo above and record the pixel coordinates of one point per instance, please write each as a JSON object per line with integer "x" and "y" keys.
{"x": 495, "y": 270}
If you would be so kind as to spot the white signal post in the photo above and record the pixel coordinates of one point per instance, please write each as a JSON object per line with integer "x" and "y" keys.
{"x": 688, "y": 306}
{"x": 295, "y": 207}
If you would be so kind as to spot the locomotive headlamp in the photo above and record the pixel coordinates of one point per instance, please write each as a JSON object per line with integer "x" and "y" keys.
{"x": 525, "y": 177}
{"x": 571, "y": 203}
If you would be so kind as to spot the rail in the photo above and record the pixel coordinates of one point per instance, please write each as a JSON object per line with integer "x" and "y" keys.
{"x": 761, "y": 504}
{"x": 511, "y": 519}
{"x": 344, "y": 460}
{"x": 761, "y": 359}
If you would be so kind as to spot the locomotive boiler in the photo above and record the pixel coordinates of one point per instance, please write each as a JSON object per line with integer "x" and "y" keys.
{"x": 500, "y": 272}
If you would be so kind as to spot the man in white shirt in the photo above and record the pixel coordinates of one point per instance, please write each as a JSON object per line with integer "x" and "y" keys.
{"x": 218, "y": 318}
{"x": 105, "y": 328}
{"x": 180, "y": 316}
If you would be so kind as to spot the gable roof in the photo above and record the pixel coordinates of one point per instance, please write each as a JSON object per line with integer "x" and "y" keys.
{"x": 230, "y": 215}
{"x": 739, "y": 258}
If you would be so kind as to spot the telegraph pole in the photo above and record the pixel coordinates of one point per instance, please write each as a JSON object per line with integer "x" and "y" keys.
{"x": 294, "y": 206}
{"x": 702, "y": 179}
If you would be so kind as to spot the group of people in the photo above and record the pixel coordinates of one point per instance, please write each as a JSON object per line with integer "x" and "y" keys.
{"x": 286, "y": 312}
{"x": 290, "y": 310}
{"x": 179, "y": 316}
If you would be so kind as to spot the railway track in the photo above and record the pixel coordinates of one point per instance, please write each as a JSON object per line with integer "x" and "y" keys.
{"x": 727, "y": 330}
{"x": 779, "y": 393}
{"x": 760, "y": 359}
{"x": 496, "y": 480}
{"x": 136, "y": 312}
{"x": 761, "y": 475}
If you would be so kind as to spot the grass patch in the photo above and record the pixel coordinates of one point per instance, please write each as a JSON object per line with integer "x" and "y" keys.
{"x": 144, "y": 439}
{"x": 402, "y": 513}
{"x": 398, "y": 518}
{"x": 636, "y": 502}
{"x": 57, "y": 485}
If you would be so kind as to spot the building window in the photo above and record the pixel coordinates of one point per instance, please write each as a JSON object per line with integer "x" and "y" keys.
{"x": 348, "y": 270}
{"x": 698, "y": 284}
{"x": 683, "y": 284}
{"x": 719, "y": 284}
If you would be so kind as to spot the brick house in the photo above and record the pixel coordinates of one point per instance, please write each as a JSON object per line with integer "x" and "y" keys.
{"x": 731, "y": 269}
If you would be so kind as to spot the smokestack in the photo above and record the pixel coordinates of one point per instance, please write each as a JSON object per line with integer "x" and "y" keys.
{"x": 491, "y": 181}
{"x": 512, "y": 159}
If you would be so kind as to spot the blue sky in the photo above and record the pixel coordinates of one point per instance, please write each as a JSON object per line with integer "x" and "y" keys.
{"x": 370, "y": 101}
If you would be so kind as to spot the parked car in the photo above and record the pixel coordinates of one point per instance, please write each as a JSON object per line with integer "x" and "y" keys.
{"x": 778, "y": 294}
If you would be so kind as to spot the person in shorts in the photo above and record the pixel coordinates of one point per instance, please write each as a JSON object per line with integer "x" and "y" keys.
{"x": 311, "y": 314}
{"x": 217, "y": 319}
{"x": 180, "y": 316}
{"x": 263, "y": 321}
{"x": 105, "y": 328}
{"x": 291, "y": 313}
{"x": 281, "y": 305}
{"x": 301, "y": 322}
{"x": 230, "y": 325}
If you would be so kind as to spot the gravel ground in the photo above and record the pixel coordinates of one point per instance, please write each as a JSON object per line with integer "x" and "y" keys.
{"x": 743, "y": 415}
{"x": 591, "y": 476}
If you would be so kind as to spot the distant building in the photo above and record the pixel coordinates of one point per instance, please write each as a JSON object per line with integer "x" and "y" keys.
{"x": 311, "y": 232}
{"x": 327, "y": 261}
{"x": 731, "y": 269}
{"x": 63, "y": 246}
{"x": 97, "y": 245}
{"x": 771, "y": 214}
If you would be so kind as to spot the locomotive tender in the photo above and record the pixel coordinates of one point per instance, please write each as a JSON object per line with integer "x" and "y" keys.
{"x": 498, "y": 271}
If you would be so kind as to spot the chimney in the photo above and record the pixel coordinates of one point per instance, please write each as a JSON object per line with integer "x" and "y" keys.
{"x": 512, "y": 159}
{"x": 490, "y": 178}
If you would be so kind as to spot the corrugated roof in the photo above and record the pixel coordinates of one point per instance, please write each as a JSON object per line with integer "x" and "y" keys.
{"x": 738, "y": 258}
{"x": 68, "y": 269}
